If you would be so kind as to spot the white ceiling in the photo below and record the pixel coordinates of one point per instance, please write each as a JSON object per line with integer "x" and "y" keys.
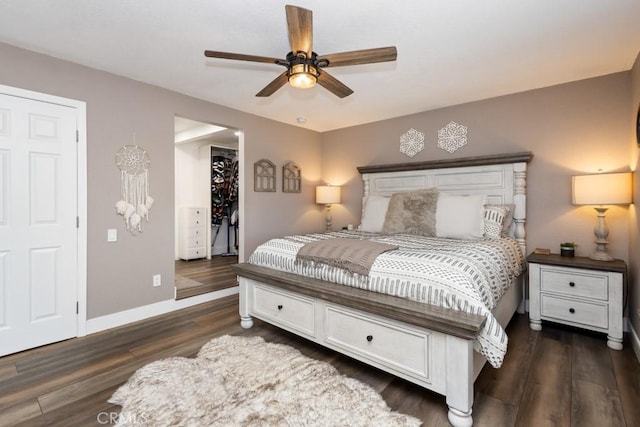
{"x": 449, "y": 52}
{"x": 187, "y": 130}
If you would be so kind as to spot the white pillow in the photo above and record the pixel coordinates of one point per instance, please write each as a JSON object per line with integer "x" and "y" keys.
{"x": 374, "y": 211}
{"x": 460, "y": 217}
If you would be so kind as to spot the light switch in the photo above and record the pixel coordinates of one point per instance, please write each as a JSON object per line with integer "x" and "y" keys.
{"x": 112, "y": 235}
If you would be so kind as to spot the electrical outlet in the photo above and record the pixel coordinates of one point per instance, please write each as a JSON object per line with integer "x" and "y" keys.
{"x": 112, "y": 235}
{"x": 157, "y": 280}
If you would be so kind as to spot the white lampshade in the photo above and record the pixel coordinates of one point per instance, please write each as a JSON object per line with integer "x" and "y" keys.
{"x": 327, "y": 194}
{"x": 602, "y": 189}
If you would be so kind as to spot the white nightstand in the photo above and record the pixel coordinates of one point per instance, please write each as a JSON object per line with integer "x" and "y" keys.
{"x": 577, "y": 291}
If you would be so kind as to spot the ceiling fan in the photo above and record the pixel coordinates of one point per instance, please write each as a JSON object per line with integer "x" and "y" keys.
{"x": 304, "y": 67}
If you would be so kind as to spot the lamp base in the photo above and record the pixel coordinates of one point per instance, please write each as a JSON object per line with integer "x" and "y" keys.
{"x": 329, "y": 218}
{"x": 601, "y": 231}
{"x": 601, "y": 256}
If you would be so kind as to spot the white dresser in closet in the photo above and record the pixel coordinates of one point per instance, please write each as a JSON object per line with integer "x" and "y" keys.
{"x": 192, "y": 232}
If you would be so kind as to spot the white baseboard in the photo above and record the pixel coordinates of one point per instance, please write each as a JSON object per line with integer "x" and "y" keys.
{"x": 140, "y": 313}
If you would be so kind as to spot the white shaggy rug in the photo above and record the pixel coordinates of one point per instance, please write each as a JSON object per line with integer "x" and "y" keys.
{"x": 240, "y": 381}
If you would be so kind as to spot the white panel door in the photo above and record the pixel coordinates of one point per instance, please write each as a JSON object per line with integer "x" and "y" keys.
{"x": 38, "y": 230}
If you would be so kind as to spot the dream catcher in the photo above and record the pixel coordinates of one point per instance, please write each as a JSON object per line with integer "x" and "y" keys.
{"x": 135, "y": 202}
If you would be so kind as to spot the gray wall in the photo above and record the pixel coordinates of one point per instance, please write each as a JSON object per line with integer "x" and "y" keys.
{"x": 119, "y": 274}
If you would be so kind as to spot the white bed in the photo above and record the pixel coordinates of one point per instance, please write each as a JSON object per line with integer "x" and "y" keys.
{"x": 427, "y": 345}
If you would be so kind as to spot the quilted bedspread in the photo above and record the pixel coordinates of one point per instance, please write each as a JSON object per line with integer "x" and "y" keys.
{"x": 464, "y": 275}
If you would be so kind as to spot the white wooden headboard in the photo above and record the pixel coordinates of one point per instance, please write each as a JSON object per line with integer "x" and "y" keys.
{"x": 502, "y": 178}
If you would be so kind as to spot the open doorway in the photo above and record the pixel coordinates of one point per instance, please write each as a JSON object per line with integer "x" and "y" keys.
{"x": 207, "y": 205}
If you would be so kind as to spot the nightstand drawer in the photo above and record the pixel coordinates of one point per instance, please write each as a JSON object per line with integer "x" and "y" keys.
{"x": 574, "y": 282}
{"x": 585, "y": 313}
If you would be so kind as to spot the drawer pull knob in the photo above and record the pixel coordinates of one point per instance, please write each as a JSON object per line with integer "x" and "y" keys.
{"x": 571, "y": 310}
{"x": 280, "y": 307}
{"x": 369, "y": 338}
{"x": 572, "y": 284}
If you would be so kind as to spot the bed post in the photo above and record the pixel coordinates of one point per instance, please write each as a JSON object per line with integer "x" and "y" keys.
{"x": 519, "y": 219}
{"x": 245, "y": 302}
{"x": 459, "y": 381}
{"x": 520, "y": 202}
{"x": 365, "y": 183}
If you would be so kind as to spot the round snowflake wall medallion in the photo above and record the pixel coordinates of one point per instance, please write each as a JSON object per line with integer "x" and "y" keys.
{"x": 452, "y": 136}
{"x": 412, "y": 142}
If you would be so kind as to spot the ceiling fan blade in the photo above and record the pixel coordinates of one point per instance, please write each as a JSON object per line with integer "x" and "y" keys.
{"x": 276, "y": 84}
{"x": 333, "y": 85}
{"x": 365, "y": 56}
{"x": 242, "y": 57}
{"x": 300, "y": 22}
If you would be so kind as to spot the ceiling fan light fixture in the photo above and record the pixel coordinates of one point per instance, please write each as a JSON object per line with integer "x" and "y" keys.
{"x": 303, "y": 76}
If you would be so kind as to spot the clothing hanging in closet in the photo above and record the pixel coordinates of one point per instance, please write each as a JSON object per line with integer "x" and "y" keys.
{"x": 224, "y": 186}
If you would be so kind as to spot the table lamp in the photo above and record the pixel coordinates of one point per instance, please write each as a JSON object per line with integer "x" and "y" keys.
{"x": 602, "y": 190}
{"x": 327, "y": 195}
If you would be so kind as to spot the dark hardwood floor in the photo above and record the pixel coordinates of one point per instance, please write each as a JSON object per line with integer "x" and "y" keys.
{"x": 212, "y": 275}
{"x": 557, "y": 377}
